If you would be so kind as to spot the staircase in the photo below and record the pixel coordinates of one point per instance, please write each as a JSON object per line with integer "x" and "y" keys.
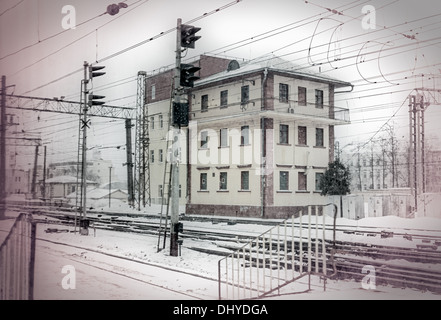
{"x": 284, "y": 254}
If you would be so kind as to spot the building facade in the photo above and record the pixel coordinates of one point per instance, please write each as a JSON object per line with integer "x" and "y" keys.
{"x": 259, "y": 139}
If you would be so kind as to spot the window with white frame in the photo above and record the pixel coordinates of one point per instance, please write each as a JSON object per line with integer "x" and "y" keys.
{"x": 302, "y": 96}
{"x": 319, "y": 142}
{"x": 223, "y": 181}
{"x": 284, "y": 180}
{"x": 204, "y": 139}
{"x": 302, "y": 181}
{"x": 245, "y": 94}
{"x": 224, "y": 137}
{"x": 283, "y": 92}
{"x": 203, "y": 181}
{"x": 319, "y": 99}
{"x": 245, "y": 180}
{"x": 204, "y": 103}
{"x": 283, "y": 134}
{"x": 224, "y": 99}
{"x": 245, "y": 135}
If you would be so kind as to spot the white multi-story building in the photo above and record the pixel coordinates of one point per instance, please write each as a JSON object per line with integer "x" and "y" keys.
{"x": 260, "y": 137}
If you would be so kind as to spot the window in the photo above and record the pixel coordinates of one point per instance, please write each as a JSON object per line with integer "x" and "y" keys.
{"x": 245, "y": 180}
{"x": 245, "y": 94}
{"x": 153, "y": 92}
{"x": 302, "y": 181}
{"x": 284, "y": 180}
{"x": 223, "y": 181}
{"x": 283, "y": 92}
{"x": 319, "y": 137}
{"x": 318, "y": 178}
{"x": 203, "y": 181}
{"x": 204, "y": 139}
{"x": 160, "y": 191}
{"x": 152, "y": 123}
{"x": 204, "y": 103}
{"x": 319, "y": 99}
{"x": 302, "y": 96}
{"x": 245, "y": 135}
{"x": 224, "y": 99}
{"x": 161, "y": 155}
{"x": 180, "y": 191}
{"x": 302, "y": 136}
{"x": 161, "y": 121}
{"x": 152, "y": 156}
{"x": 224, "y": 137}
{"x": 283, "y": 134}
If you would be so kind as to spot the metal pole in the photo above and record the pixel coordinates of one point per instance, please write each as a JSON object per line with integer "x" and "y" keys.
{"x": 84, "y": 146}
{"x": 110, "y": 185}
{"x": 174, "y": 219}
{"x": 3, "y": 149}
{"x": 34, "y": 175}
{"x": 129, "y": 162}
{"x": 44, "y": 175}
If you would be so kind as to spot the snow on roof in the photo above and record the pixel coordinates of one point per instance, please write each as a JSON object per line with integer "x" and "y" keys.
{"x": 274, "y": 63}
{"x": 101, "y": 193}
{"x": 97, "y": 193}
{"x": 66, "y": 179}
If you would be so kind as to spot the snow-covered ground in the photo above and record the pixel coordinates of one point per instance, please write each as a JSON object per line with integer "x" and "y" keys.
{"x": 112, "y": 265}
{"x": 146, "y": 274}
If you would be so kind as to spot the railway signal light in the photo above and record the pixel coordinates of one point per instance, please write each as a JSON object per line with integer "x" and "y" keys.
{"x": 180, "y": 114}
{"x": 179, "y": 227}
{"x": 93, "y": 73}
{"x": 187, "y": 75}
{"x": 93, "y": 100}
{"x": 188, "y": 37}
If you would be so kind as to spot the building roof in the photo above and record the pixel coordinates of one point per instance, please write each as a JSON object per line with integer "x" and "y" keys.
{"x": 274, "y": 63}
{"x": 66, "y": 179}
{"x": 98, "y": 193}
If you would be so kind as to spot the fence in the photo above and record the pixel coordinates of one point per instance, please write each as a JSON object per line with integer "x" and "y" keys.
{"x": 276, "y": 258}
{"x": 17, "y": 258}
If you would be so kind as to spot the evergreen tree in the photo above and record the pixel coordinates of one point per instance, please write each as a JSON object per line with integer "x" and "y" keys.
{"x": 336, "y": 181}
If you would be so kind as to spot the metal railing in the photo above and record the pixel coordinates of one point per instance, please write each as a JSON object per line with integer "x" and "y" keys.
{"x": 17, "y": 259}
{"x": 276, "y": 258}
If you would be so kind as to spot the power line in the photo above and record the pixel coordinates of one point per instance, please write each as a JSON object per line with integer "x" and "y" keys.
{"x": 136, "y": 45}
{"x": 11, "y": 8}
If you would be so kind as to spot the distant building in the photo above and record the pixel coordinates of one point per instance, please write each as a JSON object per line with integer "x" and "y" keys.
{"x": 61, "y": 186}
{"x": 97, "y": 169}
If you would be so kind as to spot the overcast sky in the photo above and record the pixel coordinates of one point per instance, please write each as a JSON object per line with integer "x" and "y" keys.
{"x": 385, "y": 61}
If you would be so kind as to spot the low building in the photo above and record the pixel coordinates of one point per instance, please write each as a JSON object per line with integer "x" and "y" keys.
{"x": 60, "y": 187}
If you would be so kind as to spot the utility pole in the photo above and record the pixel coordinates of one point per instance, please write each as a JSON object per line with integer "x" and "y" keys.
{"x": 174, "y": 215}
{"x": 90, "y": 100}
{"x": 34, "y": 175}
{"x": 43, "y": 191}
{"x": 110, "y": 185}
{"x": 3, "y": 150}
{"x": 84, "y": 151}
{"x": 372, "y": 165}
{"x": 184, "y": 77}
{"x": 129, "y": 162}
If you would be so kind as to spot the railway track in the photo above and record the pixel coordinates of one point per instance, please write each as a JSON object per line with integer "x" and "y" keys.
{"x": 418, "y": 267}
